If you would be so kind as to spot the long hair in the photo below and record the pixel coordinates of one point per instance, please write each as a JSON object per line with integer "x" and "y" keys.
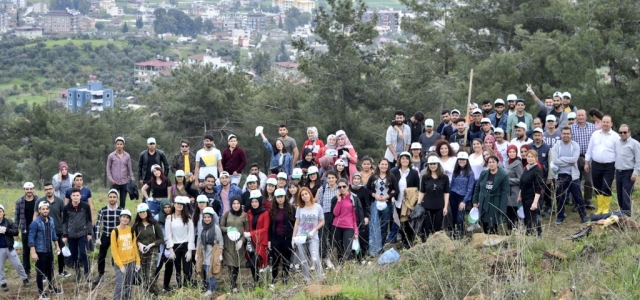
{"x": 184, "y": 214}
{"x": 273, "y": 211}
{"x": 370, "y": 160}
{"x": 275, "y": 149}
{"x": 289, "y": 195}
{"x": 494, "y": 147}
{"x": 150, "y": 219}
{"x": 196, "y": 214}
{"x": 439, "y": 172}
{"x": 377, "y": 170}
{"x": 344, "y": 173}
{"x": 299, "y": 200}
{"x": 464, "y": 170}
{"x": 163, "y": 179}
{"x": 265, "y": 193}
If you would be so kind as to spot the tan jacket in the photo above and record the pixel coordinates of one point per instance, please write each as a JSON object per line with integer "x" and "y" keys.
{"x": 215, "y": 264}
{"x": 408, "y": 203}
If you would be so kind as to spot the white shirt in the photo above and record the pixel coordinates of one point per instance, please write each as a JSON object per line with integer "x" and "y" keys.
{"x": 602, "y": 147}
{"x": 449, "y": 166}
{"x": 519, "y": 144}
{"x": 208, "y": 162}
{"x": 476, "y": 164}
{"x": 503, "y": 151}
{"x": 402, "y": 185}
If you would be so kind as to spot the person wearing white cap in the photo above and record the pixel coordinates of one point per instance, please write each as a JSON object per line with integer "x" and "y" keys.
{"x": 429, "y": 137}
{"x": 501, "y": 143}
{"x": 281, "y": 160}
{"x": 462, "y": 184}
{"x": 25, "y": 208}
{"x": 119, "y": 170}
{"x": 108, "y": 219}
{"x": 252, "y": 185}
{"x": 296, "y": 176}
{"x": 184, "y": 160}
{"x": 268, "y": 194}
{"x": 258, "y": 233}
{"x": 209, "y": 250}
{"x": 313, "y": 181}
{"x": 282, "y": 216}
{"x": 417, "y": 158}
{"x": 551, "y": 134}
{"x": 340, "y": 169}
{"x": 455, "y": 114}
{"x": 520, "y": 116}
{"x": 156, "y": 189}
{"x": 397, "y": 139}
{"x": 408, "y": 183}
{"x": 511, "y": 101}
{"x": 232, "y": 224}
{"x": 180, "y": 241}
{"x": 282, "y": 180}
{"x": 571, "y": 118}
{"x": 41, "y": 234}
{"x": 234, "y": 159}
{"x": 125, "y": 256}
{"x": 208, "y": 160}
{"x": 520, "y": 136}
{"x": 149, "y": 157}
{"x": 8, "y": 230}
{"x": 566, "y": 103}
{"x": 475, "y": 123}
{"x": 226, "y": 190}
{"x": 486, "y": 129}
{"x": 446, "y": 127}
{"x": 498, "y": 118}
{"x": 149, "y": 236}
{"x": 557, "y": 110}
{"x": 433, "y": 197}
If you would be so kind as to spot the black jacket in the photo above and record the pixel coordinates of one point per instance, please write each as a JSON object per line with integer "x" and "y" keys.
{"x": 531, "y": 182}
{"x": 364, "y": 195}
{"x": 12, "y": 230}
{"x": 132, "y": 190}
{"x": 289, "y": 222}
{"x": 76, "y": 224}
{"x": 413, "y": 179}
{"x": 392, "y": 184}
{"x": 356, "y": 203}
{"x": 143, "y": 168}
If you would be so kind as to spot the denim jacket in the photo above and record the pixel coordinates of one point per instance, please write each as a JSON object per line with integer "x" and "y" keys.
{"x": 503, "y": 121}
{"x": 37, "y": 237}
{"x": 287, "y": 164}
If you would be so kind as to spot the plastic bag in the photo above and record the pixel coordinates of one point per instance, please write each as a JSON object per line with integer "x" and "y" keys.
{"x": 65, "y": 251}
{"x": 355, "y": 246}
{"x": 389, "y": 256}
{"x": 17, "y": 245}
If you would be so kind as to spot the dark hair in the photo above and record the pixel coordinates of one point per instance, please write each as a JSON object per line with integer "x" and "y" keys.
{"x": 74, "y": 190}
{"x": 288, "y": 209}
{"x": 595, "y": 112}
{"x": 439, "y": 173}
{"x": 291, "y": 183}
{"x": 275, "y": 149}
{"x": 419, "y": 116}
{"x": 445, "y": 111}
{"x": 196, "y": 215}
{"x": 458, "y": 169}
{"x": 458, "y": 120}
{"x": 548, "y": 97}
{"x": 47, "y": 184}
{"x": 163, "y": 179}
{"x": 344, "y": 173}
{"x": 377, "y": 170}
{"x": 210, "y": 176}
{"x": 566, "y": 128}
{"x": 265, "y": 194}
{"x": 255, "y": 165}
{"x": 332, "y": 172}
{"x": 184, "y": 213}
{"x": 494, "y": 157}
{"x": 486, "y": 101}
{"x": 208, "y": 137}
{"x": 368, "y": 158}
{"x": 399, "y": 113}
{"x": 283, "y": 126}
{"x": 77, "y": 176}
{"x": 185, "y": 141}
{"x": 150, "y": 219}
{"x": 343, "y": 180}
{"x": 439, "y": 144}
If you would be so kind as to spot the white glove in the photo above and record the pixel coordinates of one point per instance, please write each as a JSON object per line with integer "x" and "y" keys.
{"x": 293, "y": 244}
{"x": 238, "y": 245}
{"x": 138, "y": 268}
{"x": 220, "y": 258}
{"x": 188, "y": 256}
{"x": 247, "y": 234}
{"x": 529, "y": 89}
{"x": 3, "y": 229}
{"x": 269, "y": 245}
{"x": 141, "y": 247}
{"x": 98, "y": 242}
{"x": 172, "y": 254}
{"x": 312, "y": 233}
{"x": 148, "y": 247}
{"x": 150, "y": 199}
{"x": 123, "y": 270}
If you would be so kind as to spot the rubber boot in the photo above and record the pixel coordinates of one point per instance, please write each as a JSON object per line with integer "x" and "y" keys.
{"x": 606, "y": 203}
{"x": 599, "y": 205}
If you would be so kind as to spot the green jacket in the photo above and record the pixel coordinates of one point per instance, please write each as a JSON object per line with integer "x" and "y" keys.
{"x": 492, "y": 204}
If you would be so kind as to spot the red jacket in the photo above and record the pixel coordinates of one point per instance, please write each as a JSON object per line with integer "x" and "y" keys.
{"x": 319, "y": 148}
{"x": 234, "y": 161}
{"x": 260, "y": 236}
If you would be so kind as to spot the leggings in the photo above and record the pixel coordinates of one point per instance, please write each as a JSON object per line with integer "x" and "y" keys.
{"x": 181, "y": 265}
{"x": 280, "y": 253}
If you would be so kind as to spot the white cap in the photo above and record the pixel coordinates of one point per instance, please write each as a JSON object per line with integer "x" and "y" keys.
{"x": 182, "y": 200}
{"x": 202, "y": 198}
{"x": 455, "y": 147}
{"x": 551, "y": 118}
{"x": 512, "y": 97}
{"x": 571, "y": 115}
{"x": 339, "y": 162}
{"x": 432, "y": 148}
{"x": 231, "y": 136}
{"x": 463, "y": 155}
{"x": 142, "y": 207}
{"x": 125, "y": 212}
{"x": 2, "y": 207}
{"x": 476, "y": 111}
{"x": 485, "y": 120}
{"x": 498, "y": 130}
{"x": 41, "y": 204}
{"x": 151, "y": 141}
{"x": 433, "y": 160}
{"x": 179, "y": 173}
{"x": 224, "y": 173}
{"x": 281, "y": 175}
{"x": 28, "y": 185}
{"x": 208, "y": 210}
{"x": 566, "y": 94}
{"x": 455, "y": 111}
{"x": 539, "y": 130}
{"x": 255, "y": 194}
{"x": 119, "y": 139}
{"x": 279, "y": 192}
{"x": 405, "y": 153}
{"x": 416, "y": 146}
{"x": 297, "y": 173}
{"x": 498, "y": 101}
{"x": 521, "y": 125}
{"x": 340, "y": 132}
{"x": 252, "y": 178}
{"x": 312, "y": 170}
{"x": 331, "y": 153}
{"x": 156, "y": 167}
{"x": 557, "y": 94}
{"x": 428, "y": 123}
{"x": 272, "y": 181}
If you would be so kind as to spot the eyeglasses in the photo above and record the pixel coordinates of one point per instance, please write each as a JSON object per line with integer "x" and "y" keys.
{"x": 623, "y": 132}
{"x": 184, "y": 146}
{"x": 152, "y": 143}
{"x": 571, "y": 119}
{"x": 342, "y": 186}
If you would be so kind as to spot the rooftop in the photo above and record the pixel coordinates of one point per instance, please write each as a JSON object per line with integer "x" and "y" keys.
{"x": 156, "y": 63}
{"x": 287, "y": 64}
{"x": 29, "y": 28}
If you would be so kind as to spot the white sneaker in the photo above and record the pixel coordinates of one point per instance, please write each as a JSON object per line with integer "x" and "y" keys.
{"x": 208, "y": 293}
{"x": 329, "y": 264}
{"x": 272, "y": 287}
{"x": 44, "y": 296}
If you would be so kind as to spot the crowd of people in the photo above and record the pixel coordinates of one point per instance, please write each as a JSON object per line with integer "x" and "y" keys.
{"x": 323, "y": 204}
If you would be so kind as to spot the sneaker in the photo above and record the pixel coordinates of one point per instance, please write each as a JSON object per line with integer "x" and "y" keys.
{"x": 5, "y": 288}
{"x": 26, "y": 283}
{"x": 546, "y": 212}
{"x": 234, "y": 290}
{"x": 167, "y": 289}
{"x": 44, "y": 296}
{"x": 329, "y": 264}
{"x": 559, "y": 221}
{"x": 208, "y": 293}
{"x": 97, "y": 280}
{"x": 57, "y": 291}
{"x": 65, "y": 274}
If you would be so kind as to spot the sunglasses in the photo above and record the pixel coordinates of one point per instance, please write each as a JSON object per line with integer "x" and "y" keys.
{"x": 549, "y": 121}
{"x": 342, "y": 186}
{"x": 152, "y": 143}
{"x": 623, "y": 132}
{"x": 184, "y": 146}
{"x": 571, "y": 119}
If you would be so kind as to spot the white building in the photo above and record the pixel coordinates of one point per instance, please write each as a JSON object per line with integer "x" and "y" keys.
{"x": 205, "y": 59}
{"x": 30, "y": 32}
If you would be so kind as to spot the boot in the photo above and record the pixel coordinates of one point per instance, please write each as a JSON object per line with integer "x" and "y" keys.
{"x": 606, "y": 202}
{"x": 599, "y": 205}
{"x": 582, "y": 233}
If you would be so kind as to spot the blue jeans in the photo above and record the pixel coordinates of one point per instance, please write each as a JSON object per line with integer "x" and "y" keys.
{"x": 393, "y": 233}
{"x": 211, "y": 280}
{"x": 454, "y": 203}
{"x": 384, "y": 217}
{"x": 154, "y": 206}
{"x": 566, "y": 186}
{"x": 78, "y": 248}
{"x": 625, "y": 189}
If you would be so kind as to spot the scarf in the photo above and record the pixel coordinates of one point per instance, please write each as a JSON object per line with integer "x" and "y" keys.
{"x": 327, "y": 146}
{"x": 238, "y": 212}
{"x": 357, "y": 187}
{"x": 256, "y": 212}
{"x": 304, "y": 164}
{"x": 162, "y": 216}
{"x": 208, "y": 234}
{"x": 514, "y": 148}
{"x": 61, "y": 165}
{"x": 494, "y": 147}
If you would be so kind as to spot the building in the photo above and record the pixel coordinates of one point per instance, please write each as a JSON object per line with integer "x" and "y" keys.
{"x": 62, "y": 21}
{"x": 93, "y": 95}
{"x": 301, "y": 5}
{"x": 145, "y": 72}
{"x": 20, "y": 3}
{"x": 389, "y": 20}
{"x": 30, "y": 32}
{"x": 87, "y": 24}
{"x": 106, "y": 4}
{"x": 205, "y": 59}
{"x": 5, "y": 21}
{"x": 40, "y": 8}
{"x": 256, "y": 22}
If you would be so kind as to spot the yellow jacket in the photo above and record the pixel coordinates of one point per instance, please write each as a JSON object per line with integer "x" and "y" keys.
{"x": 125, "y": 249}
{"x": 408, "y": 203}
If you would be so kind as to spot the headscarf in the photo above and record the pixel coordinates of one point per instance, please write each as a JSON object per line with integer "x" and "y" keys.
{"x": 304, "y": 164}
{"x": 161, "y": 215}
{"x": 347, "y": 143}
{"x": 315, "y": 132}
{"x": 256, "y": 212}
{"x": 208, "y": 234}
{"x": 61, "y": 165}
{"x": 238, "y": 212}
{"x": 327, "y": 146}
{"x": 514, "y": 148}
{"x": 494, "y": 147}
{"x": 326, "y": 163}
{"x": 355, "y": 187}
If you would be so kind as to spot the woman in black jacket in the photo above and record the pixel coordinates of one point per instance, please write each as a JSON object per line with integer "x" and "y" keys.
{"x": 531, "y": 186}
{"x": 383, "y": 186}
{"x": 407, "y": 177}
{"x": 364, "y": 196}
{"x": 280, "y": 235}
{"x": 347, "y": 216}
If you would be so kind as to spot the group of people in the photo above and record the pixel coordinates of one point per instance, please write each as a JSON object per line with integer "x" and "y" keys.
{"x": 323, "y": 204}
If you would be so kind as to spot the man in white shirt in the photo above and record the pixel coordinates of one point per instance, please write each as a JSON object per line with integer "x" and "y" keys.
{"x": 601, "y": 154}
{"x": 208, "y": 160}
{"x": 398, "y": 138}
{"x": 501, "y": 144}
{"x": 521, "y": 137}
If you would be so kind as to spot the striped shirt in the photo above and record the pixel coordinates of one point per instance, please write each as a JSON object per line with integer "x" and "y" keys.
{"x": 582, "y": 135}
{"x": 108, "y": 219}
